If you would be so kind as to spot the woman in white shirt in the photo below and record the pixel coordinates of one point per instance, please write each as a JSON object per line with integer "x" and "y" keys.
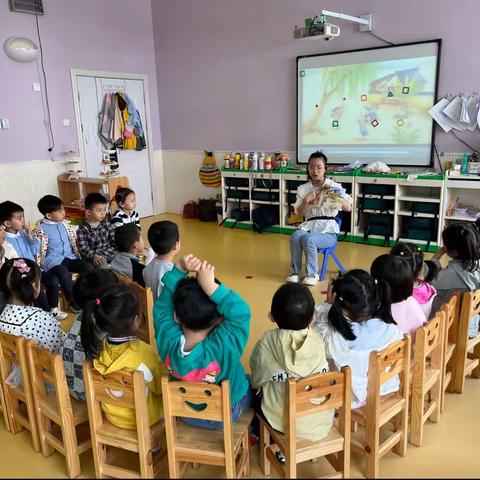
{"x": 318, "y": 201}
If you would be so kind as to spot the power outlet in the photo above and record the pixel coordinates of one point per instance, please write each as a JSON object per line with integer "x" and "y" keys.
{"x": 36, "y": 87}
{"x": 5, "y": 123}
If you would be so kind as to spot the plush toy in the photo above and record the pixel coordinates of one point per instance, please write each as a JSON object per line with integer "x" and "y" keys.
{"x": 209, "y": 173}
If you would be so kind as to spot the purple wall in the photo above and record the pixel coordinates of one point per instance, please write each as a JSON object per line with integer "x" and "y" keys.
{"x": 226, "y": 68}
{"x": 109, "y": 35}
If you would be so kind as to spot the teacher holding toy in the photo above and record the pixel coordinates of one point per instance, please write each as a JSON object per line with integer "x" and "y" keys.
{"x": 318, "y": 201}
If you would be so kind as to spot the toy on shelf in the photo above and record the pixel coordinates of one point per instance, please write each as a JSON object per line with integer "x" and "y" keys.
{"x": 109, "y": 163}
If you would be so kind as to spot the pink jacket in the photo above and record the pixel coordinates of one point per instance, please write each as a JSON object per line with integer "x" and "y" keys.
{"x": 408, "y": 315}
{"x": 424, "y": 294}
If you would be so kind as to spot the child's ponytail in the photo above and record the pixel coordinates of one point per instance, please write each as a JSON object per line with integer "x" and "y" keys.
{"x": 338, "y": 320}
{"x": 19, "y": 277}
{"x": 430, "y": 271}
{"x": 111, "y": 314}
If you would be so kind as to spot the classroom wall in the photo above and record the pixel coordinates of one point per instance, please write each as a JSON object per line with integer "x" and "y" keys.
{"x": 226, "y": 68}
{"x": 106, "y": 35}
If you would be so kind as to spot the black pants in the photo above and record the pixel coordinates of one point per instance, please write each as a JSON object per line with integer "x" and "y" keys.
{"x": 60, "y": 277}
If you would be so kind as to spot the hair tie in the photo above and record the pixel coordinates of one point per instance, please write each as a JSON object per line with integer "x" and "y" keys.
{"x": 23, "y": 275}
{"x": 462, "y": 232}
{"x": 340, "y": 298}
{"x": 402, "y": 253}
{"x": 97, "y": 301}
{"x": 375, "y": 281}
{"x": 21, "y": 266}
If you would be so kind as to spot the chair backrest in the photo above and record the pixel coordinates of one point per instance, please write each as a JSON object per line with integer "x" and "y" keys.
{"x": 201, "y": 401}
{"x": 451, "y": 310}
{"x": 429, "y": 342}
{"x": 315, "y": 394}
{"x": 124, "y": 278}
{"x": 47, "y": 368}
{"x": 386, "y": 364}
{"x": 123, "y": 389}
{"x": 147, "y": 330}
{"x": 12, "y": 349}
{"x": 471, "y": 303}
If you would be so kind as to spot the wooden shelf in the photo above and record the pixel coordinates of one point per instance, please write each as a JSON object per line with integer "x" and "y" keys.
{"x": 408, "y": 198}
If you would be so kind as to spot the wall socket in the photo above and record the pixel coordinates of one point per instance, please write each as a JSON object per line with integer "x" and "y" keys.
{"x": 36, "y": 87}
{"x": 5, "y": 123}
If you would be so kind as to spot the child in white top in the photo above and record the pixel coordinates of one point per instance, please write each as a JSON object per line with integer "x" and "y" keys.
{"x": 165, "y": 240}
{"x": 126, "y": 201}
{"x": 354, "y": 321}
{"x": 20, "y": 280}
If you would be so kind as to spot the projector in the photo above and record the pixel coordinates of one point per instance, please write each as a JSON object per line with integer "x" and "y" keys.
{"x": 325, "y": 31}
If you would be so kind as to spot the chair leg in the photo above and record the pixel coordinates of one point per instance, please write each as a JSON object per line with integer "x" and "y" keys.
{"x": 45, "y": 425}
{"x": 246, "y": 448}
{"x": 372, "y": 447}
{"x": 436, "y": 395}
{"x": 401, "y": 423}
{"x": 264, "y": 444}
{"x": 337, "y": 261}
{"x": 324, "y": 267}
{"x": 416, "y": 421}
{"x": 476, "y": 353}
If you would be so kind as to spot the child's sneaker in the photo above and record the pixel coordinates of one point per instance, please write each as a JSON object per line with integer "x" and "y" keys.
{"x": 311, "y": 280}
{"x": 58, "y": 314}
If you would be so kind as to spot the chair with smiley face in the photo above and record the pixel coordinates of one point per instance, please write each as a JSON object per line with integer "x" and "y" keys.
{"x": 228, "y": 448}
{"x": 123, "y": 389}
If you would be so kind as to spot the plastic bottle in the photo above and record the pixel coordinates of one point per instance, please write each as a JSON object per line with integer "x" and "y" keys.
{"x": 227, "y": 161}
{"x": 246, "y": 163}
{"x": 254, "y": 161}
{"x": 236, "y": 156}
{"x": 240, "y": 164}
{"x": 268, "y": 163}
{"x": 261, "y": 162}
{"x": 464, "y": 167}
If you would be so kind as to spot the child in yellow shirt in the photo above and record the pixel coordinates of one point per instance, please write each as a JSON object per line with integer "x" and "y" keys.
{"x": 108, "y": 336}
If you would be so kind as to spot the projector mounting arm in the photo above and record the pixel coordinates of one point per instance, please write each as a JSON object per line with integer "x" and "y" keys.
{"x": 365, "y": 21}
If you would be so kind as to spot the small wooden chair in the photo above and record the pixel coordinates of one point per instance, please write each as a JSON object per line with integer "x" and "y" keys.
{"x": 147, "y": 330}
{"x": 380, "y": 410}
{"x": 125, "y": 389}
{"x": 451, "y": 310}
{"x": 18, "y": 399}
{"x": 467, "y": 359}
{"x": 302, "y": 398}
{"x": 58, "y": 408}
{"x": 228, "y": 448}
{"x": 426, "y": 376}
{"x": 3, "y": 408}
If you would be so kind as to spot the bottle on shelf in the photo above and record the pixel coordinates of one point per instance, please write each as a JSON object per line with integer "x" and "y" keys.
{"x": 254, "y": 156}
{"x": 246, "y": 162}
{"x": 268, "y": 163}
{"x": 277, "y": 163}
{"x": 464, "y": 167}
{"x": 236, "y": 156}
{"x": 227, "y": 161}
{"x": 261, "y": 161}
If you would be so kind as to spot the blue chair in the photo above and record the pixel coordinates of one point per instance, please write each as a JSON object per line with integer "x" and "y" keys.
{"x": 330, "y": 251}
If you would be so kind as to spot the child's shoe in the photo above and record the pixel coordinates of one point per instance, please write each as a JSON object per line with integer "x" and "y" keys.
{"x": 58, "y": 314}
{"x": 293, "y": 278}
{"x": 311, "y": 280}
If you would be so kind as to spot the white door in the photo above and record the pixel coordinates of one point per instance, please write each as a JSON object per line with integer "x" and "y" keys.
{"x": 133, "y": 164}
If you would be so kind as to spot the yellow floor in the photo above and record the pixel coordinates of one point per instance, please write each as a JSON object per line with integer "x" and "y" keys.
{"x": 450, "y": 447}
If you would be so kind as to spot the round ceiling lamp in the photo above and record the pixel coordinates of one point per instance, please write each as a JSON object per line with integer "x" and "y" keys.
{"x": 20, "y": 49}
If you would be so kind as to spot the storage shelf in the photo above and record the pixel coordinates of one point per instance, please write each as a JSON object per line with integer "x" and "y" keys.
{"x": 462, "y": 219}
{"x": 368, "y": 210}
{"x": 236, "y": 200}
{"x": 266, "y": 189}
{"x": 265, "y": 202}
{"x": 227, "y": 187}
{"x": 371, "y": 195}
{"x": 407, "y": 198}
{"x": 416, "y": 215}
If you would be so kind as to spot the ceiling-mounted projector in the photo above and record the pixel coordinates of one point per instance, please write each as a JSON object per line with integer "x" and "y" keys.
{"x": 319, "y": 27}
{"x": 325, "y": 31}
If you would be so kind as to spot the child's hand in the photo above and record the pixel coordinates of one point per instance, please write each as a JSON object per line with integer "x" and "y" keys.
{"x": 331, "y": 295}
{"x": 189, "y": 263}
{"x": 98, "y": 260}
{"x": 440, "y": 253}
{"x": 312, "y": 197}
{"x": 28, "y": 229}
{"x": 206, "y": 278}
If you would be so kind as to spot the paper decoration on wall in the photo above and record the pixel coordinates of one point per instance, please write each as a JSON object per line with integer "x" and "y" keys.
{"x": 406, "y": 90}
{"x": 364, "y": 97}
{"x": 335, "y": 123}
{"x": 390, "y": 94}
{"x": 374, "y": 122}
{"x": 401, "y": 122}
{"x": 457, "y": 112}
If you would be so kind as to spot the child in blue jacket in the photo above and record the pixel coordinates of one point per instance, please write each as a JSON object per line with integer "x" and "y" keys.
{"x": 201, "y": 330}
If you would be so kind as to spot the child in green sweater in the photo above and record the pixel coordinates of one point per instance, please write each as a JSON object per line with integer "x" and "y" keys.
{"x": 201, "y": 329}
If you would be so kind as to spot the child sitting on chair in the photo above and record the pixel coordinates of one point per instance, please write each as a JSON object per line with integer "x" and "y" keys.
{"x": 129, "y": 242}
{"x": 96, "y": 241}
{"x": 294, "y": 349}
{"x": 354, "y": 321}
{"x": 201, "y": 329}
{"x": 165, "y": 240}
{"x": 59, "y": 255}
{"x": 108, "y": 334}
{"x": 126, "y": 214}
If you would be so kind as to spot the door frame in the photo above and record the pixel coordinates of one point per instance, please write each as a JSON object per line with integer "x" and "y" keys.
{"x": 74, "y": 73}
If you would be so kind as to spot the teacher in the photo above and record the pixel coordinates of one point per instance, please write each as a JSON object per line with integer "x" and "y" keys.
{"x": 318, "y": 201}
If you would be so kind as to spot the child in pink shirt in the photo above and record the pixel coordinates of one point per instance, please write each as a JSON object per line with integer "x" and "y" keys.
{"x": 423, "y": 273}
{"x": 397, "y": 273}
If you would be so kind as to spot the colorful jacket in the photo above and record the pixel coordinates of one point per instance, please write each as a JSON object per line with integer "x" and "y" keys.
{"x": 281, "y": 354}
{"x": 215, "y": 358}
{"x": 43, "y": 237}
